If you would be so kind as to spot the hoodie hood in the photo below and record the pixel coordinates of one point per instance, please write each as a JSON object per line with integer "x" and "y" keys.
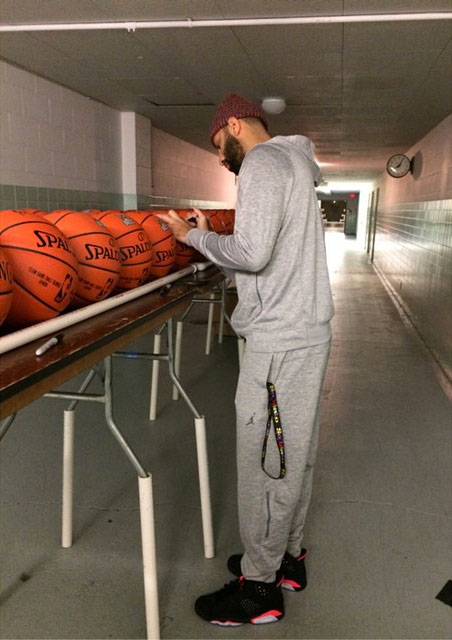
{"x": 306, "y": 147}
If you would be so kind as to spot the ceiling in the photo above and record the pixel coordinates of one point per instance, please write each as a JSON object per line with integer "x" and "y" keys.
{"x": 361, "y": 91}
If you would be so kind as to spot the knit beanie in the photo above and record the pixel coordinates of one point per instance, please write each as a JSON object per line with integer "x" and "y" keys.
{"x": 234, "y": 106}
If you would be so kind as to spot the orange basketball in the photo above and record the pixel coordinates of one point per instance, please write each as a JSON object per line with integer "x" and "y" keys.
{"x": 6, "y": 286}
{"x": 97, "y": 254}
{"x": 227, "y": 220}
{"x": 44, "y": 268}
{"x": 38, "y": 211}
{"x": 134, "y": 246}
{"x": 184, "y": 253}
{"x": 163, "y": 242}
{"x": 215, "y": 221}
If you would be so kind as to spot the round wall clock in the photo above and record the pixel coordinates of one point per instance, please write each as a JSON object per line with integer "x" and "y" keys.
{"x": 399, "y": 165}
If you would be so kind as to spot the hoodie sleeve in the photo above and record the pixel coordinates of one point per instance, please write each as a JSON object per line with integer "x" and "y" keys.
{"x": 265, "y": 182}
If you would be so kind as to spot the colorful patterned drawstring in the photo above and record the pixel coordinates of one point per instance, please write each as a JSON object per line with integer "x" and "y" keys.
{"x": 273, "y": 416}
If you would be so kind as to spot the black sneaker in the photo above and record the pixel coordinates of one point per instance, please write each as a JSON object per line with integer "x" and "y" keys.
{"x": 242, "y": 601}
{"x": 293, "y": 570}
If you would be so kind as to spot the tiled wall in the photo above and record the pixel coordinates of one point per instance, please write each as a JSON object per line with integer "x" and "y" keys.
{"x": 47, "y": 199}
{"x": 413, "y": 243}
{"x": 414, "y": 251}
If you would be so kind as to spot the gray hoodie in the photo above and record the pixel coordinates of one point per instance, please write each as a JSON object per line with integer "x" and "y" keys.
{"x": 277, "y": 250}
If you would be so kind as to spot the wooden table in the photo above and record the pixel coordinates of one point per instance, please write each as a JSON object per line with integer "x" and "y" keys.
{"x": 24, "y": 377}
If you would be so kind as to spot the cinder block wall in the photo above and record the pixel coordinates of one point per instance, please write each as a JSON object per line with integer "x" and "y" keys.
{"x": 56, "y": 141}
{"x": 184, "y": 170}
{"x": 60, "y": 149}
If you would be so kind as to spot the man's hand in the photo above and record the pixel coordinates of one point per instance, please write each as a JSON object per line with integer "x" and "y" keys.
{"x": 202, "y": 221}
{"x": 181, "y": 227}
{"x": 176, "y": 223}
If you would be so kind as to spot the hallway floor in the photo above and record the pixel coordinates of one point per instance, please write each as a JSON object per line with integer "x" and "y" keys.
{"x": 379, "y": 527}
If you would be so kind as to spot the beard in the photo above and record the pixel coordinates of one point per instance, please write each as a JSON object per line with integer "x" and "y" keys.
{"x": 233, "y": 154}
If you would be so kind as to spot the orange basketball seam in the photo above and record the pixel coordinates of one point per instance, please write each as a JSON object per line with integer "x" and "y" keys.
{"x": 123, "y": 235}
{"x": 88, "y": 233}
{"x": 18, "y": 224}
{"x": 162, "y": 240}
{"x": 63, "y": 215}
{"x": 30, "y": 293}
{"x": 40, "y": 253}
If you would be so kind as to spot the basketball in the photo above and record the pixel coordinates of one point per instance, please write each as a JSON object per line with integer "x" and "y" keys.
{"x": 134, "y": 247}
{"x": 96, "y": 251}
{"x": 38, "y": 211}
{"x": 184, "y": 253}
{"x": 215, "y": 221}
{"x": 44, "y": 268}
{"x": 6, "y": 286}
{"x": 163, "y": 242}
{"x": 227, "y": 220}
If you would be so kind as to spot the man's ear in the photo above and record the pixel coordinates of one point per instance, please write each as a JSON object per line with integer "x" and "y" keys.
{"x": 234, "y": 126}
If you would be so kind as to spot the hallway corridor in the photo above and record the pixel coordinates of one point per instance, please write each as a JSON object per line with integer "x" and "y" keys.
{"x": 379, "y": 525}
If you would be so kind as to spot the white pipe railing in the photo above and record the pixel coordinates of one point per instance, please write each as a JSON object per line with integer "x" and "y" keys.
{"x": 190, "y": 23}
{"x": 24, "y": 336}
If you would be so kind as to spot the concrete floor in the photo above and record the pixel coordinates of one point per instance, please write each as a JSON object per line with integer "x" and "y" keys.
{"x": 379, "y": 527}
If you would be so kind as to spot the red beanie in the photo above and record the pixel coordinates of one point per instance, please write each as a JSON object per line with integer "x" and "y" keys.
{"x": 234, "y": 106}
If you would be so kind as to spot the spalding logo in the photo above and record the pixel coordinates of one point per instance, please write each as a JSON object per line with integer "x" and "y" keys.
{"x": 131, "y": 251}
{"x": 97, "y": 252}
{"x": 164, "y": 255}
{"x": 5, "y": 272}
{"x": 100, "y": 223}
{"x": 47, "y": 239}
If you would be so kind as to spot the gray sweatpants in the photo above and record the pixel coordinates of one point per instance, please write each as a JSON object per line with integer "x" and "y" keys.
{"x": 272, "y": 512}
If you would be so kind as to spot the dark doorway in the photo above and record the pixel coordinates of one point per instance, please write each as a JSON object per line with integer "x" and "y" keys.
{"x": 340, "y": 210}
{"x": 334, "y": 210}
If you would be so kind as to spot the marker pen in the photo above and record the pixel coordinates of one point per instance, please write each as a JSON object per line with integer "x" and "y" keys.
{"x": 49, "y": 344}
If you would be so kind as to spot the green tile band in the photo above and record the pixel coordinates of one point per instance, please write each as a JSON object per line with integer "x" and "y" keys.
{"x": 49, "y": 199}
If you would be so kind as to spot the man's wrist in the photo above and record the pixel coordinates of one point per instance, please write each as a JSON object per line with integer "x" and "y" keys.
{"x": 192, "y": 236}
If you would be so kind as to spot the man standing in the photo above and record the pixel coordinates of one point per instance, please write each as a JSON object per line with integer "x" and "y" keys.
{"x": 284, "y": 309}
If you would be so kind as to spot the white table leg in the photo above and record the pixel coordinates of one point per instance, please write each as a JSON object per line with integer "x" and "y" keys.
{"x": 204, "y": 488}
{"x": 149, "y": 557}
{"x": 68, "y": 477}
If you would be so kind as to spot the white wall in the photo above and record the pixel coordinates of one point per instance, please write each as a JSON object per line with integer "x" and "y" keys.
{"x": 186, "y": 171}
{"x": 144, "y": 153}
{"x": 53, "y": 137}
